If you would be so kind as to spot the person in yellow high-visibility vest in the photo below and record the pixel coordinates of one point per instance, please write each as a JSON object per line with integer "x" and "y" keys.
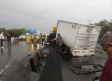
{"x": 43, "y": 38}
{"x": 35, "y": 39}
{"x": 28, "y": 39}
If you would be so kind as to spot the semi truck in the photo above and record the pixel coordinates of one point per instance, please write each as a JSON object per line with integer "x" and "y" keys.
{"x": 32, "y": 32}
{"x": 80, "y": 39}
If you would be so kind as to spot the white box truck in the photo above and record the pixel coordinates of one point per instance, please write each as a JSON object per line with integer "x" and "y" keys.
{"x": 81, "y": 39}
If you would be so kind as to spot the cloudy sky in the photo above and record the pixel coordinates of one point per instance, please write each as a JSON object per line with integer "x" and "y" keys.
{"x": 43, "y": 14}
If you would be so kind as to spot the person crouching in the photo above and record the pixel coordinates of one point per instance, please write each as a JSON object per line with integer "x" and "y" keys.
{"x": 59, "y": 42}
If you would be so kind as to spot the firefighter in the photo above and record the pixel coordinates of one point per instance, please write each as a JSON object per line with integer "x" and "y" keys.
{"x": 43, "y": 38}
{"x": 35, "y": 39}
{"x": 28, "y": 39}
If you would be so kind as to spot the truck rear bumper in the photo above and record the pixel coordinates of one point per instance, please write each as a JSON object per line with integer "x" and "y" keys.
{"x": 83, "y": 52}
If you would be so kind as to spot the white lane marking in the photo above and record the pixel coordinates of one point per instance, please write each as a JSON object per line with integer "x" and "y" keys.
{"x": 6, "y": 67}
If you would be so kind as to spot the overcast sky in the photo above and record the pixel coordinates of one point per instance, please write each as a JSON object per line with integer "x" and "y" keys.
{"x": 43, "y": 14}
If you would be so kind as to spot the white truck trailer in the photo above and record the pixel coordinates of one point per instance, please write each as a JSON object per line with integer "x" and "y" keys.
{"x": 81, "y": 39}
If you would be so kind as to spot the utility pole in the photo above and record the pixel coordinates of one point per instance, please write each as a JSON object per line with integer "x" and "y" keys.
{"x": 89, "y": 21}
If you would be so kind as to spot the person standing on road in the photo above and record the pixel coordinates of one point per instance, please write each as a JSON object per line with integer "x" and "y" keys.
{"x": 43, "y": 38}
{"x": 9, "y": 40}
{"x": 35, "y": 40}
{"x": 2, "y": 39}
{"x": 28, "y": 39}
{"x": 59, "y": 42}
{"x": 106, "y": 43}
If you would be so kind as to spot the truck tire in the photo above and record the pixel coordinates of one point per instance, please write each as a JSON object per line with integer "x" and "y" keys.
{"x": 63, "y": 48}
{"x": 67, "y": 49}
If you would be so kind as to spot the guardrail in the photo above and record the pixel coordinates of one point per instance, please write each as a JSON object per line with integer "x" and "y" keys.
{"x": 32, "y": 62}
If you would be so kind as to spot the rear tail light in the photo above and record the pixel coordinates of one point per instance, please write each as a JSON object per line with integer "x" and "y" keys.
{"x": 75, "y": 48}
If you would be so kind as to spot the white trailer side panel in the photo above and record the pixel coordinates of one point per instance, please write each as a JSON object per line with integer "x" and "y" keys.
{"x": 68, "y": 31}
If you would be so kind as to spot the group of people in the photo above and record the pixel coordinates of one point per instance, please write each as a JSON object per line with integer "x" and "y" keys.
{"x": 8, "y": 38}
{"x": 34, "y": 39}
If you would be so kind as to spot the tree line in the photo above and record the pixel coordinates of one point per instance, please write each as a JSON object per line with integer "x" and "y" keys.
{"x": 106, "y": 26}
{"x": 14, "y": 32}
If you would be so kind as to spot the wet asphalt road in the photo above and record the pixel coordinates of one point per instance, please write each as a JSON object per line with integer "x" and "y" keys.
{"x": 18, "y": 51}
{"x": 67, "y": 61}
{"x": 50, "y": 72}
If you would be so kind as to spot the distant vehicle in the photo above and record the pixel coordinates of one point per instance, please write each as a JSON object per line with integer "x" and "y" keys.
{"x": 78, "y": 38}
{"x": 53, "y": 32}
{"x": 32, "y": 32}
{"x": 17, "y": 38}
{"x": 23, "y": 36}
{"x": 13, "y": 39}
{"x": 27, "y": 34}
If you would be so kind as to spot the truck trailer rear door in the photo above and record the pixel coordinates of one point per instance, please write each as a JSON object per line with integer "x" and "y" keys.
{"x": 80, "y": 42}
{"x": 92, "y": 39}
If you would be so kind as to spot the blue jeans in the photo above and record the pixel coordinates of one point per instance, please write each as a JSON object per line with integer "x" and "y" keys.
{"x": 1, "y": 42}
{"x": 9, "y": 43}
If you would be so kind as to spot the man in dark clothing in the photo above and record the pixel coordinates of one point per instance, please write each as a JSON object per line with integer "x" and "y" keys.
{"x": 106, "y": 43}
{"x": 9, "y": 40}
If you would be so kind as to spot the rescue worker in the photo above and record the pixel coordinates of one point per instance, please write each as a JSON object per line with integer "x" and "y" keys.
{"x": 35, "y": 39}
{"x": 32, "y": 39}
{"x": 28, "y": 39}
{"x": 43, "y": 38}
{"x": 59, "y": 42}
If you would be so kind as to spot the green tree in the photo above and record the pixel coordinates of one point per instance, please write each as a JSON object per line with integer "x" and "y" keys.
{"x": 3, "y": 30}
{"x": 17, "y": 32}
{"x": 106, "y": 26}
